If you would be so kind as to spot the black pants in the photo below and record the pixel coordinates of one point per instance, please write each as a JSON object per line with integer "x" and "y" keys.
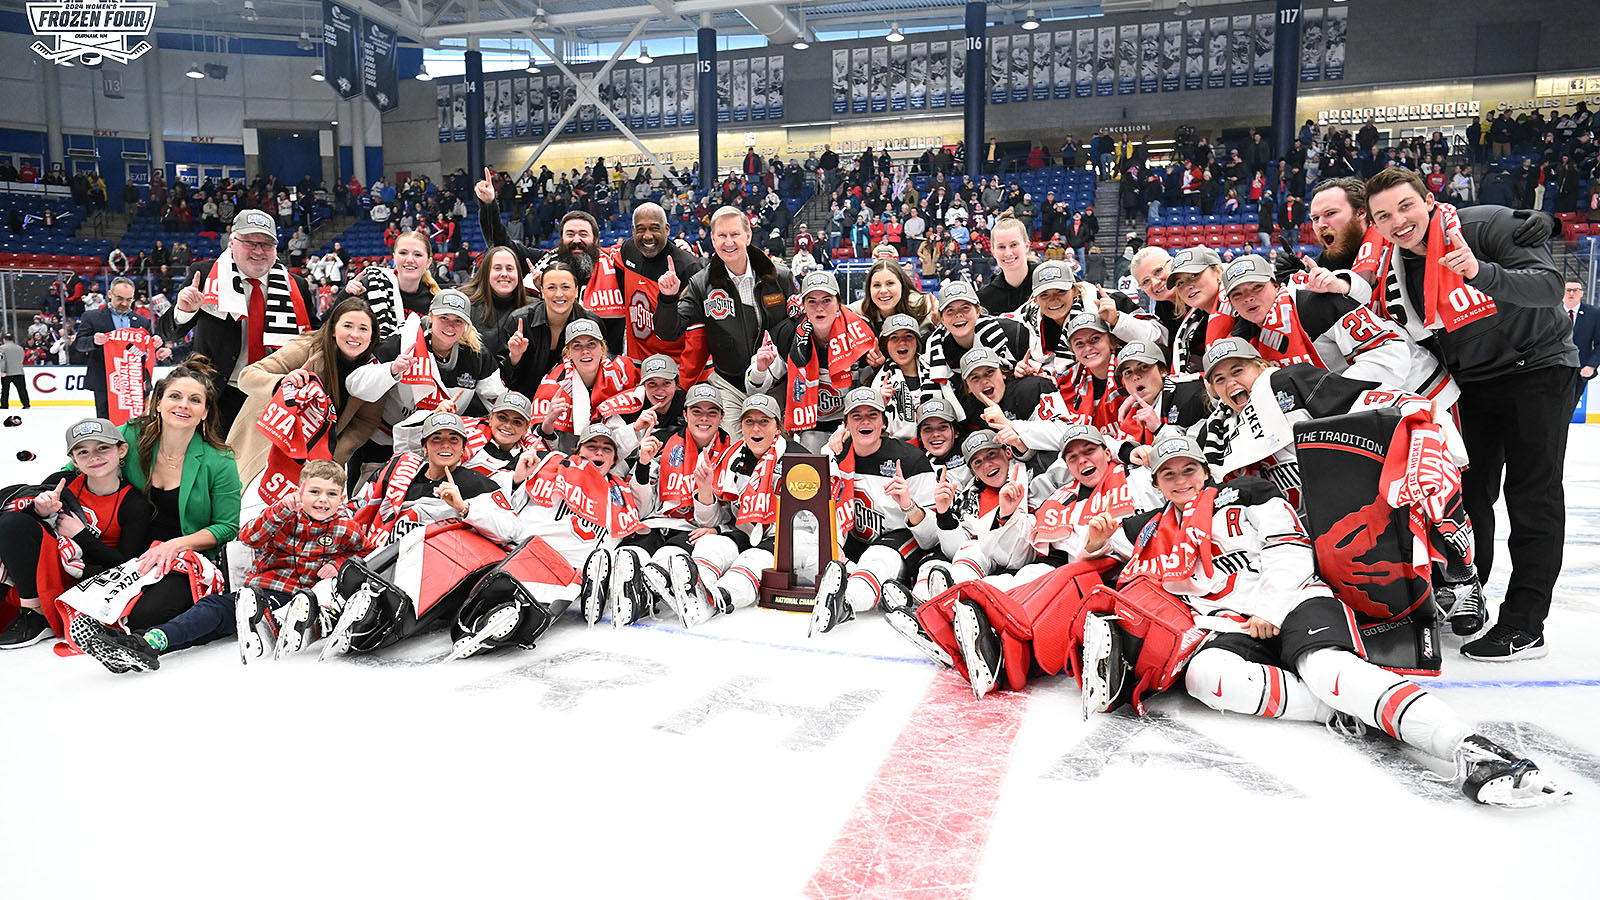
{"x": 21, "y": 541}
{"x": 161, "y": 602}
{"x": 1515, "y": 428}
{"x": 22, "y": 391}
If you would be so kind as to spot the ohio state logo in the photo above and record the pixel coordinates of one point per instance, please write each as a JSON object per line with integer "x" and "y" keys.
{"x": 719, "y": 305}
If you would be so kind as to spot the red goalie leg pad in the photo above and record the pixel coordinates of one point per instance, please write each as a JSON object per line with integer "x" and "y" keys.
{"x": 1005, "y": 616}
{"x": 1164, "y": 624}
{"x": 1055, "y": 606}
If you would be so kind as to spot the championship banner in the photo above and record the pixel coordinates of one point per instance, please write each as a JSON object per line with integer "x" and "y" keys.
{"x": 1043, "y": 66}
{"x": 999, "y": 70}
{"x": 1338, "y": 21}
{"x": 1243, "y": 44}
{"x": 446, "y": 133}
{"x": 957, "y": 70}
{"x": 775, "y": 87}
{"x": 130, "y": 371}
{"x": 1171, "y": 56}
{"x": 619, "y": 96}
{"x": 899, "y": 90}
{"x": 340, "y": 54}
{"x": 1265, "y": 40}
{"x": 380, "y": 72}
{"x": 741, "y": 90}
{"x": 1217, "y": 57}
{"x": 1311, "y": 45}
{"x": 537, "y": 101}
{"x": 1194, "y": 54}
{"x": 1149, "y": 57}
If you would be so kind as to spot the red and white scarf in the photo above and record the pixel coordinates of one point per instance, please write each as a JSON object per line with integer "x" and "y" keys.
{"x": 1282, "y": 340}
{"x": 675, "y": 484}
{"x": 616, "y": 377}
{"x": 1447, "y": 300}
{"x": 603, "y": 294}
{"x": 758, "y": 500}
{"x": 381, "y": 504}
{"x": 1063, "y": 510}
{"x": 850, "y": 339}
{"x": 601, "y": 501}
{"x": 298, "y": 422}
{"x": 423, "y": 377}
{"x": 1076, "y": 387}
{"x": 1173, "y": 542}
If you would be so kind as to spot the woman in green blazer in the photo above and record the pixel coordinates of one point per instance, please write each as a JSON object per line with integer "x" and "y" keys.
{"x": 179, "y": 460}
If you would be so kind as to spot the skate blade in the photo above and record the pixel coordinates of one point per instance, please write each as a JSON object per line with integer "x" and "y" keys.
{"x": 905, "y": 626}
{"x": 340, "y": 640}
{"x": 1531, "y": 791}
{"x": 290, "y": 638}
{"x": 979, "y": 676}
{"x": 500, "y": 624}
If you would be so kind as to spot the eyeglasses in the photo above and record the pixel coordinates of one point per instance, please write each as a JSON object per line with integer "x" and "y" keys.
{"x": 256, "y": 245}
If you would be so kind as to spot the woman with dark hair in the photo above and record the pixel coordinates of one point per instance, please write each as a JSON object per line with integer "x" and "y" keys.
{"x": 532, "y": 335}
{"x": 329, "y": 355}
{"x": 890, "y": 291}
{"x": 902, "y": 376}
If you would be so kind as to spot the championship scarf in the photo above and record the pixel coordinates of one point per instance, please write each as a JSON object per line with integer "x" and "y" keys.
{"x": 130, "y": 367}
{"x": 111, "y": 595}
{"x": 383, "y": 499}
{"x": 850, "y": 340}
{"x": 616, "y": 377}
{"x": 480, "y": 434}
{"x": 843, "y": 491}
{"x": 757, "y": 501}
{"x": 423, "y": 377}
{"x": 1418, "y": 470}
{"x": 988, "y": 333}
{"x": 1281, "y": 338}
{"x": 1064, "y": 510}
{"x": 1447, "y": 299}
{"x": 599, "y": 501}
{"x": 1076, "y": 386}
{"x": 226, "y": 295}
{"x": 603, "y": 294}
{"x": 1173, "y": 542}
{"x": 675, "y": 482}
{"x": 381, "y": 289}
{"x": 1369, "y": 258}
{"x": 299, "y": 424}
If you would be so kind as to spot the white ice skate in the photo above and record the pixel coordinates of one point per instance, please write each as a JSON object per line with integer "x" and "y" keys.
{"x": 294, "y": 633}
{"x": 831, "y": 607}
{"x": 979, "y": 646}
{"x": 497, "y": 626}
{"x": 355, "y": 609}
{"x": 1494, "y": 776}
{"x": 1102, "y": 665}
{"x": 246, "y": 612}
{"x": 596, "y": 584}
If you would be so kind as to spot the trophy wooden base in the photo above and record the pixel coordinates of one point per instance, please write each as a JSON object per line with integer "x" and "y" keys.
{"x": 780, "y": 590}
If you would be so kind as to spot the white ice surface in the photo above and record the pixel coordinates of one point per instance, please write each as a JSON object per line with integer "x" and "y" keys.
{"x": 650, "y": 762}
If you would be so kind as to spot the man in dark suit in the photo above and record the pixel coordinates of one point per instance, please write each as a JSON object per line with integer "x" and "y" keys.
{"x": 254, "y": 314}
{"x": 92, "y": 330}
{"x": 1585, "y": 333}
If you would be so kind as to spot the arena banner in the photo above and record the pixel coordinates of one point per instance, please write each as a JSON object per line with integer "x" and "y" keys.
{"x": 503, "y": 108}
{"x": 741, "y": 90}
{"x": 687, "y": 94}
{"x": 380, "y": 66}
{"x": 669, "y": 97}
{"x": 491, "y": 95}
{"x": 458, "y": 109}
{"x": 569, "y": 96}
{"x": 1084, "y": 59}
{"x": 1242, "y": 51}
{"x": 776, "y": 85}
{"x": 1061, "y": 57}
{"x": 1217, "y": 55}
{"x": 587, "y": 113}
{"x": 899, "y": 59}
{"x": 537, "y": 103}
{"x": 841, "y": 82}
{"x": 1043, "y": 66}
{"x": 1194, "y": 54}
{"x": 999, "y": 70}
{"x": 1021, "y": 68}
{"x": 917, "y": 77}
{"x": 1334, "y": 32}
{"x": 446, "y": 133}
{"x": 938, "y": 75}
{"x": 758, "y": 88}
{"x": 725, "y": 90}
{"x": 1171, "y": 56}
{"x": 519, "y": 106}
{"x": 878, "y": 75}
{"x": 635, "y": 99}
{"x": 618, "y": 91}
{"x": 1127, "y": 59}
{"x": 958, "y": 74}
{"x": 1265, "y": 40}
{"x": 1149, "y": 57}
{"x": 130, "y": 362}
{"x": 1311, "y": 45}
{"x": 340, "y": 55}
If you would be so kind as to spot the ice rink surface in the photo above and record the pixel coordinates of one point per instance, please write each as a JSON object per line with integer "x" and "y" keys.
{"x": 743, "y": 760}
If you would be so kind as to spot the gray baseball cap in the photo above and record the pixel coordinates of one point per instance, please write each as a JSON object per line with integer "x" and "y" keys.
{"x": 1177, "y": 447}
{"x": 765, "y": 404}
{"x": 1140, "y": 351}
{"x": 900, "y": 322}
{"x": 977, "y": 358}
{"x": 1229, "y": 348}
{"x": 254, "y": 221}
{"x": 1190, "y": 260}
{"x": 1089, "y": 320}
{"x": 951, "y": 291}
{"x": 442, "y": 421}
{"x": 1247, "y": 269}
{"x": 93, "y": 430}
{"x": 512, "y": 401}
{"x": 702, "y": 393}
{"x": 1082, "y": 433}
{"x": 578, "y": 328}
{"x": 819, "y": 280}
{"x": 658, "y": 366}
{"x": 935, "y": 408}
{"x": 597, "y": 431}
{"x": 863, "y": 396}
{"x": 1051, "y": 276}
{"x": 450, "y": 302}
{"x": 978, "y": 441}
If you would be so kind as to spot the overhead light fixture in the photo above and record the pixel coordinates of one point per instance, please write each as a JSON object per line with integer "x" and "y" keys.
{"x": 1031, "y": 22}
{"x": 1182, "y": 9}
{"x": 422, "y": 73}
{"x": 645, "y": 58}
{"x": 250, "y": 11}
{"x": 533, "y": 67}
{"x": 334, "y": 122}
{"x": 801, "y": 43}
{"x": 540, "y": 20}
{"x": 304, "y": 43}
{"x": 894, "y": 36}
{"x": 195, "y": 72}
{"x": 317, "y": 75}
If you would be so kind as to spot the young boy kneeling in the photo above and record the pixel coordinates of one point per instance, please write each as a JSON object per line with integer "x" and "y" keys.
{"x": 299, "y": 541}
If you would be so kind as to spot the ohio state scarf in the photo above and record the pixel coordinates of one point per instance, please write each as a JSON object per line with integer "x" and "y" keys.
{"x": 111, "y": 595}
{"x": 1418, "y": 470}
{"x": 381, "y": 503}
{"x": 1063, "y": 510}
{"x": 757, "y": 501}
{"x": 599, "y": 500}
{"x": 616, "y": 376}
{"x": 1447, "y": 300}
{"x": 842, "y": 488}
{"x": 1077, "y": 386}
{"x": 226, "y": 295}
{"x": 603, "y": 294}
{"x": 423, "y": 378}
{"x": 299, "y": 424}
{"x": 480, "y": 434}
{"x": 850, "y": 340}
{"x": 1369, "y": 258}
{"x": 675, "y": 482}
{"x": 381, "y": 289}
{"x": 1281, "y": 338}
{"x": 988, "y": 333}
{"x": 1173, "y": 542}
{"x": 130, "y": 367}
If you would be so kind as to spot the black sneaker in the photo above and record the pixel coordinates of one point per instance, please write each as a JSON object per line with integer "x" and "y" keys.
{"x": 28, "y": 628}
{"x": 1504, "y": 643}
{"x": 979, "y": 645}
{"x": 118, "y": 651}
{"x": 1464, "y": 602}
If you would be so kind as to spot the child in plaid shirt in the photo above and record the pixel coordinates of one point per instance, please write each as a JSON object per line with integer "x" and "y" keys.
{"x": 299, "y": 541}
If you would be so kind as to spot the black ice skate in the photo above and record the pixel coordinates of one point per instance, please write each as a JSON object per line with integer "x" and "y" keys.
{"x": 831, "y": 607}
{"x": 1494, "y": 776}
{"x": 979, "y": 645}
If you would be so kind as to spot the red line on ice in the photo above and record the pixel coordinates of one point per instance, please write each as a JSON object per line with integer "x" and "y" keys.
{"x": 920, "y": 827}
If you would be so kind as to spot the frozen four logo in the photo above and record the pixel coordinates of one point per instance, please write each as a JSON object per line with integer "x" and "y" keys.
{"x": 91, "y": 31}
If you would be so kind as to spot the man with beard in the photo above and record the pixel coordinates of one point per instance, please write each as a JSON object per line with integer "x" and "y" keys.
{"x": 579, "y": 246}
{"x": 252, "y": 305}
{"x": 739, "y": 297}
{"x": 647, "y": 269}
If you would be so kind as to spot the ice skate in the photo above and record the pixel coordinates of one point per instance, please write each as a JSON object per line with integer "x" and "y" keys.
{"x": 638, "y": 599}
{"x": 939, "y": 579}
{"x": 905, "y": 623}
{"x": 246, "y": 621}
{"x": 343, "y": 634}
{"x": 494, "y": 626}
{"x": 895, "y": 597}
{"x": 118, "y": 651}
{"x": 295, "y": 632}
{"x": 979, "y": 645}
{"x": 831, "y": 607}
{"x": 1465, "y": 605}
{"x": 683, "y": 594}
{"x": 1494, "y": 776}
{"x": 596, "y": 581}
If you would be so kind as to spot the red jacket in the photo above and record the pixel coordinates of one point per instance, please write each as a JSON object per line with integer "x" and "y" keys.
{"x": 291, "y": 548}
